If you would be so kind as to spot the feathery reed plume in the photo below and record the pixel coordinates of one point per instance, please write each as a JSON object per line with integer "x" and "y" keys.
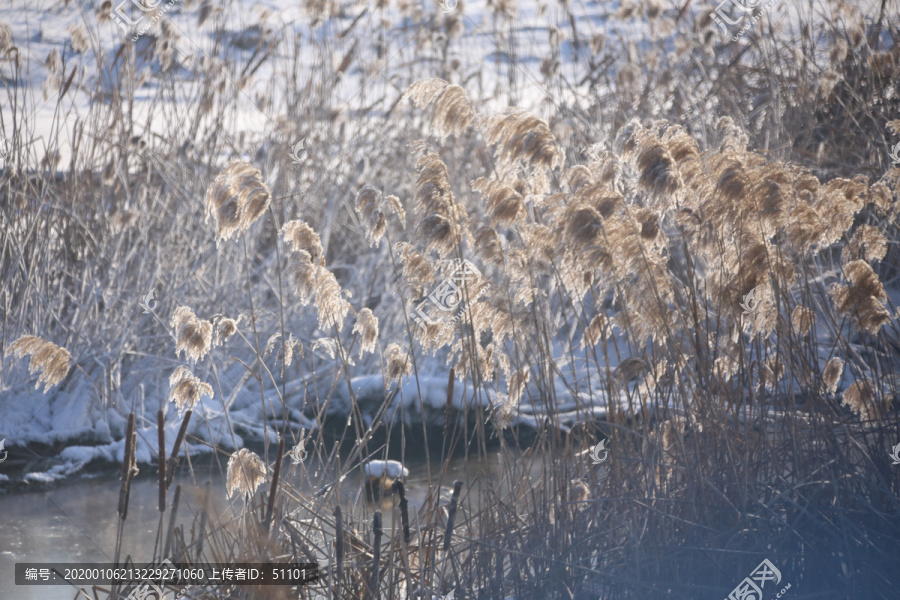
{"x": 224, "y": 328}
{"x": 862, "y": 399}
{"x": 304, "y": 273}
{"x": 488, "y": 245}
{"x": 504, "y": 204}
{"x": 867, "y": 243}
{"x": 520, "y": 135}
{"x": 236, "y": 198}
{"x": 302, "y": 237}
{"x": 439, "y": 227}
{"x": 80, "y": 41}
{"x": 367, "y": 327}
{"x": 311, "y": 277}
{"x": 287, "y": 348}
{"x": 51, "y": 360}
{"x": 578, "y": 176}
{"x": 837, "y": 203}
{"x": 831, "y": 374}
{"x": 397, "y": 363}
{"x": 802, "y": 319}
{"x": 192, "y": 335}
{"x": 733, "y": 138}
{"x": 6, "y": 38}
{"x": 397, "y": 208}
{"x": 452, "y": 112}
{"x": 330, "y": 303}
{"x": 417, "y": 270}
{"x": 369, "y": 204}
{"x": 244, "y": 474}
{"x": 863, "y": 300}
{"x": 186, "y": 390}
{"x": 657, "y": 170}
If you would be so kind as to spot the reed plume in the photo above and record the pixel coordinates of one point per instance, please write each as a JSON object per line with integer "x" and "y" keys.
{"x": 192, "y": 335}
{"x": 245, "y": 473}
{"x": 302, "y": 238}
{"x": 452, "y": 112}
{"x": 236, "y": 199}
{"x": 831, "y": 374}
{"x": 863, "y": 399}
{"x": 367, "y": 327}
{"x": 521, "y": 136}
{"x": 51, "y": 360}
{"x": 369, "y": 204}
{"x": 186, "y": 390}
{"x": 397, "y": 363}
{"x": 863, "y": 299}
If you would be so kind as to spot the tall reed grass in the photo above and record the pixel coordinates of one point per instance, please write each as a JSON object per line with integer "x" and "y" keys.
{"x": 622, "y": 227}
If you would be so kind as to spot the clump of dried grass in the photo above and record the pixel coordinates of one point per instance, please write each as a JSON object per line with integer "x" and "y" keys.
{"x": 51, "y": 360}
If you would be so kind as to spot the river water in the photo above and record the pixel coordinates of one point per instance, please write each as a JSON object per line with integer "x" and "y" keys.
{"x": 76, "y": 522}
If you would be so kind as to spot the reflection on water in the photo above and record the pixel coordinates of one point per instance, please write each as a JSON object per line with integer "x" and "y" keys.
{"x": 77, "y": 521}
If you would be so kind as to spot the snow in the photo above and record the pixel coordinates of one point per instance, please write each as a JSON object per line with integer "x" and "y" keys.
{"x": 377, "y": 469}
